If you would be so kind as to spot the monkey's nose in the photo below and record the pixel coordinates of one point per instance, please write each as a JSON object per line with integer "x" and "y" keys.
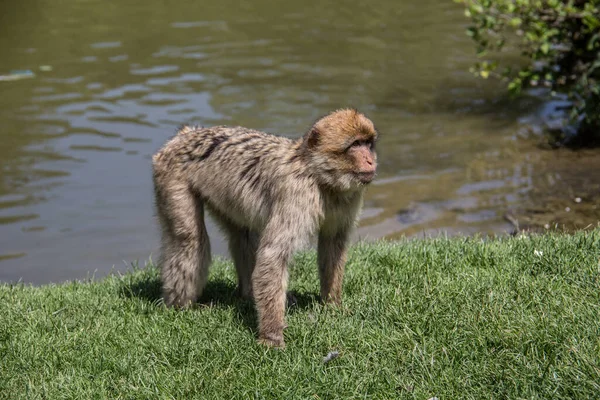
{"x": 369, "y": 167}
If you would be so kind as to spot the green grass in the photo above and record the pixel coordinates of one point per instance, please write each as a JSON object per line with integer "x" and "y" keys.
{"x": 453, "y": 318}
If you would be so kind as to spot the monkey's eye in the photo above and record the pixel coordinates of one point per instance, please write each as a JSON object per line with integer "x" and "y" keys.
{"x": 370, "y": 143}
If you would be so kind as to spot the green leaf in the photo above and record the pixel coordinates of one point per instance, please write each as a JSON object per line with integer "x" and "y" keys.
{"x": 545, "y": 47}
{"x": 591, "y": 22}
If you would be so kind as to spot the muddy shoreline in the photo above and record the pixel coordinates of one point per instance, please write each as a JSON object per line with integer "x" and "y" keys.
{"x": 565, "y": 193}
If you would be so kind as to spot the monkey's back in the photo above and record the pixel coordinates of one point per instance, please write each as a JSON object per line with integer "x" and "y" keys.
{"x": 238, "y": 172}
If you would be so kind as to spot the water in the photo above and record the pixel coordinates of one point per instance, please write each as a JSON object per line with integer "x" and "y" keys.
{"x": 110, "y": 82}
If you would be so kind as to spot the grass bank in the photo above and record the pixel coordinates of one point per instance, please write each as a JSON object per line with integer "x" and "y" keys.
{"x": 452, "y": 318}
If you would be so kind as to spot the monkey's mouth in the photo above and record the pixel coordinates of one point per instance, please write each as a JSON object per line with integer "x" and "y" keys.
{"x": 366, "y": 177}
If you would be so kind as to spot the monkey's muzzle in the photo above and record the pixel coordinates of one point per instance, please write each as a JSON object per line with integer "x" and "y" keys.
{"x": 366, "y": 177}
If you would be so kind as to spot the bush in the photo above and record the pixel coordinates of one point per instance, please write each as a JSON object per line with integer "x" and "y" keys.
{"x": 561, "y": 43}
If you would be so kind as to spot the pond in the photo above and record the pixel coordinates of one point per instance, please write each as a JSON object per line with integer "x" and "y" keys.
{"x": 102, "y": 85}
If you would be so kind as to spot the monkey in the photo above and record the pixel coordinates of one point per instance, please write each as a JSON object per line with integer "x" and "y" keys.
{"x": 270, "y": 195}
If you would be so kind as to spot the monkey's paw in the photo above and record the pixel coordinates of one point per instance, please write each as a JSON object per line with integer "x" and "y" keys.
{"x": 331, "y": 301}
{"x": 244, "y": 294}
{"x": 273, "y": 341}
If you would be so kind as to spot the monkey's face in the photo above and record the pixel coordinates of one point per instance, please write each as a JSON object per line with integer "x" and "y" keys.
{"x": 362, "y": 156}
{"x": 343, "y": 146}
{"x": 353, "y": 164}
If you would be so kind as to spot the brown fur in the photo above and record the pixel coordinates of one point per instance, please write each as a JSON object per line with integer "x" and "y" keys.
{"x": 269, "y": 194}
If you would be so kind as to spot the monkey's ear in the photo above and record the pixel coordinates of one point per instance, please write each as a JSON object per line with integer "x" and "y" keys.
{"x": 313, "y": 137}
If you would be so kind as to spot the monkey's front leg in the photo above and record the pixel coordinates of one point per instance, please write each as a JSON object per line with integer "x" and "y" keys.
{"x": 332, "y": 261}
{"x": 269, "y": 284}
{"x": 282, "y": 236}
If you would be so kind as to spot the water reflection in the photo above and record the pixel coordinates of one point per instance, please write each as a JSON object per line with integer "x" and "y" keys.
{"x": 76, "y": 139}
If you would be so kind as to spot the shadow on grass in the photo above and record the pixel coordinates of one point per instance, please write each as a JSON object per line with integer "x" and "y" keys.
{"x": 217, "y": 293}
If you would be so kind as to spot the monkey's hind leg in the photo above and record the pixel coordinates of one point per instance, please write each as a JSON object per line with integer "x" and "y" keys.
{"x": 185, "y": 255}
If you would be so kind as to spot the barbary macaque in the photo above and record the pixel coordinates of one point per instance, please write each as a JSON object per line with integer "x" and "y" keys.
{"x": 270, "y": 195}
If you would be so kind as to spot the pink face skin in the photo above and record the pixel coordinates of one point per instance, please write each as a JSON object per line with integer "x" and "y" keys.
{"x": 364, "y": 160}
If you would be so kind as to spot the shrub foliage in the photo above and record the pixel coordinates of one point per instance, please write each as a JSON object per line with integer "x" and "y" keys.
{"x": 561, "y": 43}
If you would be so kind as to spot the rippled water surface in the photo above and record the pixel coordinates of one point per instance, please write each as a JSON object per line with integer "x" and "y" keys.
{"x": 104, "y": 84}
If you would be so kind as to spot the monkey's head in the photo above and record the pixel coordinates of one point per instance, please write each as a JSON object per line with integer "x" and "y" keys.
{"x": 341, "y": 150}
